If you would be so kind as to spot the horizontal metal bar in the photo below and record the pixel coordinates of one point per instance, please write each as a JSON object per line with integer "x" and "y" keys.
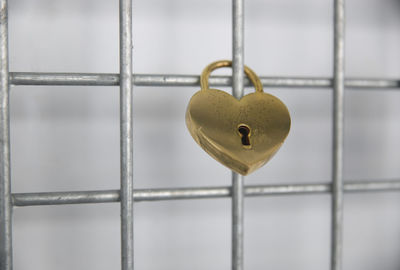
{"x": 107, "y": 79}
{"x": 140, "y": 195}
{"x": 69, "y": 197}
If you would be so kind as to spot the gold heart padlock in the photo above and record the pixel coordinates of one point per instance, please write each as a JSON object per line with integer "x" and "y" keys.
{"x": 241, "y": 134}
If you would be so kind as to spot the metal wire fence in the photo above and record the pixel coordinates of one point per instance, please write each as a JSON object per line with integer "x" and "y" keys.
{"x": 127, "y": 195}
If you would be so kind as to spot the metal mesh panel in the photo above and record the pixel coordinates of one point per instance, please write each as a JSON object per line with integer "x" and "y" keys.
{"x": 127, "y": 195}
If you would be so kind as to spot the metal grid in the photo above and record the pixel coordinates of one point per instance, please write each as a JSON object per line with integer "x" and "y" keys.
{"x": 127, "y": 195}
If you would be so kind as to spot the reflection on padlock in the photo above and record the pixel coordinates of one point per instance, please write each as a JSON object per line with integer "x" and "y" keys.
{"x": 241, "y": 134}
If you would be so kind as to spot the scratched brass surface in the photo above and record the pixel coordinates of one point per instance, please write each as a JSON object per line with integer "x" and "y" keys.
{"x": 241, "y": 134}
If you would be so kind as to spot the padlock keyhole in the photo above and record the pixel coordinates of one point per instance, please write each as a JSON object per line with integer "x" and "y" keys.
{"x": 244, "y": 132}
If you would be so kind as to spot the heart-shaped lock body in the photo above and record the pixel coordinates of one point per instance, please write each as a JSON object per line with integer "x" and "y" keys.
{"x": 241, "y": 134}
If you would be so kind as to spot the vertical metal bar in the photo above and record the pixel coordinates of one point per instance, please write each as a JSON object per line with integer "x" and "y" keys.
{"x": 237, "y": 180}
{"x": 237, "y": 221}
{"x": 126, "y": 132}
{"x": 5, "y": 174}
{"x": 338, "y": 123}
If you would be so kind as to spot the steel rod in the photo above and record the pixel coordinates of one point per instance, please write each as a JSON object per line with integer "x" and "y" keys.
{"x": 149, "y": 195}
{"x": 338, "y": 125}
{"x": 126, "y": 134}
{"x": 237, "y": 221}
{"x": 108, "y": 79}
{"x": 237, "y": 91}
{"x": 5, "y": 168}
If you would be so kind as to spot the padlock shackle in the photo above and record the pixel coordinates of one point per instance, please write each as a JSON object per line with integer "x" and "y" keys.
{"x": 227, "y": 63}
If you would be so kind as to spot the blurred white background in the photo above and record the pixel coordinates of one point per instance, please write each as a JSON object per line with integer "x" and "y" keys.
{"x": 67, "y": 138}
